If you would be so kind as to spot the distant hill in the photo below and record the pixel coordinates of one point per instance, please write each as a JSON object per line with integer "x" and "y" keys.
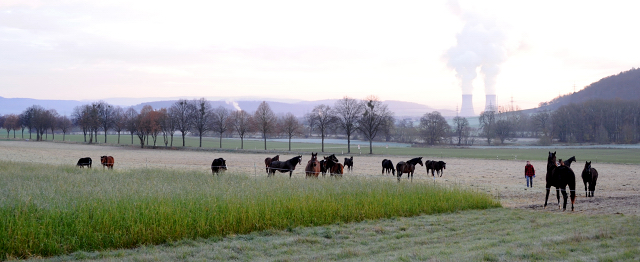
{"x": 624, "y": 86}
{"x": 401, "y": 109}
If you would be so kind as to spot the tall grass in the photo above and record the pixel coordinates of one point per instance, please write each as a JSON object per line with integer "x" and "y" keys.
{"x": 49, "y": 210}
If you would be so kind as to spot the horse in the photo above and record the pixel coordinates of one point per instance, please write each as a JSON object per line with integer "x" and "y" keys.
{"x": 218, "y": 165}
{"x": 268, "y": 160}
{"x": 348, "y": 162}
{"x": 85, "y": 161}
{"x": 387, "y": 166}
{"x": 284, "y": 166}
{"x": 560, "y": 177}
{"x": 589, "y": 177}
{"x": 436, "y": 167}
{"x": 337, "y": 170}
{"x": 328, "y": 163}
{"x": 313, "y": 166}
{"x": 408, "y": 167}
{"x": 107, "y": 161}
{"x": 568, "y": 161}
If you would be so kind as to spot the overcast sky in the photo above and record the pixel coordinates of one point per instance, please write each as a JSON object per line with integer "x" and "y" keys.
{"x": 310, "y": 50}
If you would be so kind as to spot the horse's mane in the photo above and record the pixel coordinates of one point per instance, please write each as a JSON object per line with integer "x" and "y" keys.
{"x": 414, "y": 161}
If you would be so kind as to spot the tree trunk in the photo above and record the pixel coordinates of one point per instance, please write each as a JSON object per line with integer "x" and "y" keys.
{"x": 265, "y": 141}
{"x": 348, "y": 144}
{"x": 200, "y": 140}
{"x": 242, "y": 142}
{"x": 220, "y": 140}
{"x": 183, "y": 134}
{"x": 171, "y": 140}
{"x": 105, "y": 137}
{"x": 371, "y": 146}
{"x": 323, "y": 142}
{"x": 118, "y": 138}
{"x": 289, "y": 143}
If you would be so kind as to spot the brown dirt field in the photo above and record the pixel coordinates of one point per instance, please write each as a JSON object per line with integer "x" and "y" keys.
{"x": 615, "y": 193}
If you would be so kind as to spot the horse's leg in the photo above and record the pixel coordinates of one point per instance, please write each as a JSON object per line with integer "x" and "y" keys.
{"x": 546, "y": 198}
{"x": 586, "y": 191}
{"x": 564, "y": 197}
{"x": 558, "y": 195}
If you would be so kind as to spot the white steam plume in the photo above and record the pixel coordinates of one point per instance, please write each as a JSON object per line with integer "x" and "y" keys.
{"x": 480, "y": 44}
{"x": 234, "y": 103}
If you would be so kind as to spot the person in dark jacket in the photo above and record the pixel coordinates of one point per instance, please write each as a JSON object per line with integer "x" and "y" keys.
{"x": 529, "y": 173}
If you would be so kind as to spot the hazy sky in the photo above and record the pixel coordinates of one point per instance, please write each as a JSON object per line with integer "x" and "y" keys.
{"x": 312, "y": 50}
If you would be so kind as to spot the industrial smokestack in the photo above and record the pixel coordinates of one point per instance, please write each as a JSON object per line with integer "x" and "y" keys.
{"x": 467, "y": 106}
{"x": 491, "y": 103}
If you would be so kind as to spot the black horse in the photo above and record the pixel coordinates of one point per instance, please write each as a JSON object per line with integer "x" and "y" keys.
{"x": 408, "y": 167}
{"x": 348, "y": 163}
{"x": 284, "y": 166}
{"x": 436, "y": 167}
{"x": 560, "y": 177}
{"x": 218, "y": 165}
{"x": 589, "y": 177}
{"x": 387, "y": 166}
{"x": 268, "y": 160}
{"x": 327, "y": 164}
{"x": 85, "y": 161}
{"x": 568, "y": 161}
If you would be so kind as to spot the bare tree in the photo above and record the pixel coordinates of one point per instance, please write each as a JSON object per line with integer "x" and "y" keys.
{"x": 11, "y": 122}
{"x": 143, "y": 124}
{"x": 181, "y": 111}
{"x": 541, "y": 121}
{"x": 488, "y": 124}
{"x": 168, "y": 126}
{"x": 348, "y": 111}
{"x": 264, "y": 121}
{"x": 460, "y": 128}
{"x": 52, "y": 121}
{"x": 240, "y": 121}
{"x": 105, "y": 117}
{"x": 374, "y": 116}
{"x": 130, "y": 120}
{"x": 27, "y": 118}
{"x": 202, "y": 117}
{"x": 65, "y": 125}
{"x": 323, "y": 118}
{"x": 119, "y": 123}
{"x": 290, "y": 126}
{"x": 220, "y": 121}
{"x": 434, "y": 127}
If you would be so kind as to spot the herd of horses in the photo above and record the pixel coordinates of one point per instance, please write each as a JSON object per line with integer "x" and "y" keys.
{"x": 560, "y": 175}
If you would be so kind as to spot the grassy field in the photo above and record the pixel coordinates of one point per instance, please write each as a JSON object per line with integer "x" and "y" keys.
{"x": 48, "y": 210}
{"x": 497, "y": 234}
{"x": 596, "y": 155}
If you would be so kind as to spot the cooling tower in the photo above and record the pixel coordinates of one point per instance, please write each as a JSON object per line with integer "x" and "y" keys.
{"x": 467, "y": 106}
{"x": 491, "y": 104}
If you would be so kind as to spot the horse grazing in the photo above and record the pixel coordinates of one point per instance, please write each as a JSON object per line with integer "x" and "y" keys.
{"x": 589, "y": 177}
{"x": 436, "y": 167}
{"x": 218, "y": 165}
{"x": 313, "y": 166}
{"x": 268, "y": 160}
{"x": 408, "y": 167}
{"x": 107, "y": 161}
{"x": 284, "y": 166}
{"x": 387, "y": 166}
{"x": 568, "y": 161}
{"x": 348, "y": 162}
{"x": 85, "y": 161}
{"x": 560, "y": 177}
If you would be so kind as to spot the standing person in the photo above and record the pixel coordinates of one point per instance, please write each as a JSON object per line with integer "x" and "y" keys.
{"x": 529, "y": 173}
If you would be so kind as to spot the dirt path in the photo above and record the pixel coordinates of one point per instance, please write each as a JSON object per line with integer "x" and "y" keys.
{"x": 616, "y": 191}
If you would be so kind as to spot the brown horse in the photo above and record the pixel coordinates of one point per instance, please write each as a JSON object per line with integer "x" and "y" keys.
{"x": 408, "y": 167}
{"x": 337, "y": 170}
{"x": 107, "y": 161}
{"x": 268, "y": 160}
{"x": 560, "y": 177}
{"x": 313, "y": 166}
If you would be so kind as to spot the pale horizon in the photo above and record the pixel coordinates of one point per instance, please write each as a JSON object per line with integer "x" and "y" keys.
{"x": 410, "y": 51}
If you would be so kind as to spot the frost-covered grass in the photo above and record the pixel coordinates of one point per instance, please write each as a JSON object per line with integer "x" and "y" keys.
{"x": 48, "y": 210}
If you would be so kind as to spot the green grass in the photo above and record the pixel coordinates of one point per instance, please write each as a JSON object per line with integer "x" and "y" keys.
{"x": 51, "y": 210}
{"x": 496, "y": 234}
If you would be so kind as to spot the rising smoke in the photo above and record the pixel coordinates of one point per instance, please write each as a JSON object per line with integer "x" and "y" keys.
{"x": 234, "y": 103}
{"x": 480, "y": 44}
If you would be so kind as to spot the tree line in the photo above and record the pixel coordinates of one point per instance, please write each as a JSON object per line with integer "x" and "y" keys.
{"x": 595, "y": 121}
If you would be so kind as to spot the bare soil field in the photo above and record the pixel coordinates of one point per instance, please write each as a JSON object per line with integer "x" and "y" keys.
{"x": 616, "y": 191}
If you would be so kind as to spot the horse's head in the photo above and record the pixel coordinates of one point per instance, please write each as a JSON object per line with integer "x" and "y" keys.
{"x": 552, "y": 157}
{"x": 276, "y": 158}
{"x": 587, "y": 165}
{"x": 444, "y": 165}
{"x": 314, "y": 157}
{"x": 299, "y": 159}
